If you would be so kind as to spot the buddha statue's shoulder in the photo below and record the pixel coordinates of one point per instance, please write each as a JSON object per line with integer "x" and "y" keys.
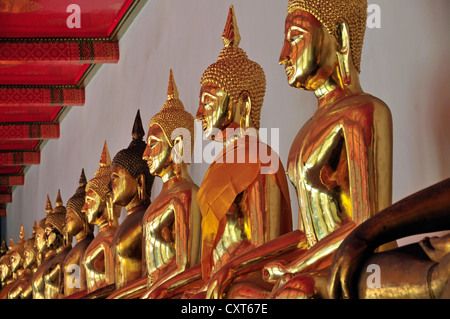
{"x": 77, "y": 252}
{"x": 358, "y": 105}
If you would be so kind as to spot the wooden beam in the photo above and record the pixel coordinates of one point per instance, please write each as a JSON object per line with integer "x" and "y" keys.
{"x": 41, "y": 96}
{"x": 12, "y": 180}
{"x": 28, "y": 131}
{"x": 20, "y": 158}
{"x": 79, "y": 51}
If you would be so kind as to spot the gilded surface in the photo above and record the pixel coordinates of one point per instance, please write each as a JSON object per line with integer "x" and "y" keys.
{"x": 58, "y": 241}
{"x": 171, "y": 224}
{"x": 131, "y": 185}
{"x": 98, "y": 258}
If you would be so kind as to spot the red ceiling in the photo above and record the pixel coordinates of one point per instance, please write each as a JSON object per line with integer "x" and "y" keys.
{"x": 47, "y": 18}
{"x": 42, "y": 74}
{"x": 43, "y": 63}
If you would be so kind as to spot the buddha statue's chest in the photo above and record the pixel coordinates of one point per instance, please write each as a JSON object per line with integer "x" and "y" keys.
{"x": 317, "y": 156}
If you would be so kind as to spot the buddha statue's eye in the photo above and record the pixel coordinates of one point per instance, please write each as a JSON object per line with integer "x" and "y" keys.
{"x": 295, "y": 39}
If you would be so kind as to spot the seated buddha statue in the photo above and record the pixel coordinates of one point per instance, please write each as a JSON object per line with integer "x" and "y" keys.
{"x": 45, "y": 255}
{"x": 14, "y": 268}
{"x": 415, "y": 271}
{"x": 3, "y": 248}
{"x": 340, "y": 162}
{"x": 61, "y": 242}
{"x": 244, "y": 200}
{"x": 98, "y": 258}
{"x": 172, "y": 223}
{"x": 131, "y": 184}
{"x": 31, "y": 263}
{"x": 20, "y": 265}
{"x": 6, "y": 275}
{"x": 77, "y": 226}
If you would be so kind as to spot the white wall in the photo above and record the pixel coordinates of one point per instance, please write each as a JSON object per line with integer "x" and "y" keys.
{"x": 404, "y": 63}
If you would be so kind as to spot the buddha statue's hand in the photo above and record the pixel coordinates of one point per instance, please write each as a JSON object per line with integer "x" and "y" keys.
{"x": 219, "y": 283}
{"x": 156, "y": 293}
{"x": 273, "y": 271}
{"x": 347, "y": 262}
{"x": 436, "y": 247}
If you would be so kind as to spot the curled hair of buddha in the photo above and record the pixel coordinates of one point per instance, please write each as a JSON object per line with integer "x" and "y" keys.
{"x": 131, "y": 158}
{"x": 100, "y": 182}
{"x": 57, "y": 218}
{"x": 76, "y": 202}
{"x": 173, "y": 115}
{"x": 331, "y": 12}
{"x": 235, "y": 73}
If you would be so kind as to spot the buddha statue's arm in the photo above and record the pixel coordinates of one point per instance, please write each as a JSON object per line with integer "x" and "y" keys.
{"x": 422, "y": 212}
{"x": 91, "y": 261}
{"x": 54, "y": 279}
{"x": 27, "y": 291}
{"x": 16, "y": 290}
{"x": 368, "y": 141}
{"x": 264, "y": 200}
{"x": 188, "y": 279}
{"x": 174, "y": 211}
{"x": 264, "y": 211}
{"x": 286, "y": 247}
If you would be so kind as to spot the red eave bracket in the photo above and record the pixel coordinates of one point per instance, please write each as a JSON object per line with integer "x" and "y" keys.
{"x": 29, "y": 131}
{"x": 78, "y": 51}
{"x": 5, "y": 198}
{"x": 20, "y": 158}
{"x": 41, "y": 96}
{"x": 12, "y": 180}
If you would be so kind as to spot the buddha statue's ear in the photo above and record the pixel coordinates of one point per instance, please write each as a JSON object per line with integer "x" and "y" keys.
{"x": 343, "y": 52}
{"x": 245, "y": 109}
{"x": 142, "y": 191}
{"x": 178, "y": 150}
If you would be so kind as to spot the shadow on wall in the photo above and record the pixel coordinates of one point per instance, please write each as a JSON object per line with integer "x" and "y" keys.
{"x": 440, "y": 114}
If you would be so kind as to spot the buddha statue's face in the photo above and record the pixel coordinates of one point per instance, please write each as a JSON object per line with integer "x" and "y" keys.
{"x": 214, "y": 110}
{"x": 52, "y": 238}
{"x": 16, "y": 261}
{"x": 74, "y": 224}
{"x": 158, "y": 151}
{"x": 5, "y": 271}
{"x": 124, "y": 186}
{"x": 30, "y": 257}
{"x": 93, "y": 207}
{"x": 309, "y": 51}
{"x": 41, "y": 239}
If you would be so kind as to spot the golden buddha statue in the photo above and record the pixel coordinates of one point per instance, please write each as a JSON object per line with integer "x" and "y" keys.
{"x": 242, "y": 208}
{"x": 45, "y": 255}
{"x": 340, "y": 162}
{"x": 131, "y": 184}
{"x": 60, "y": 241}
{"x": 98, "y": 258}
{"x": 3, "y": 248}
{"x": 427, "y": 263}
{"x": 20, "y": 265}
{"x": 12, "y": 269}
{"x": 17, "y": 254}
{"x": 77, "y": 226}
{"x": 31, "y": 262}
{"x": 172, "y": 223}
{"x": 6, "y": 275}
{"x": 3, "y": 251}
